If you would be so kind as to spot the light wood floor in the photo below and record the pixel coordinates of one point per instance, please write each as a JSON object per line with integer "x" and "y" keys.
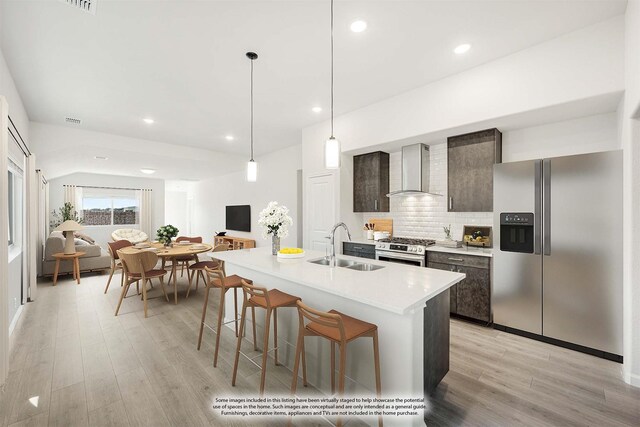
{"x": 73, "y": 363}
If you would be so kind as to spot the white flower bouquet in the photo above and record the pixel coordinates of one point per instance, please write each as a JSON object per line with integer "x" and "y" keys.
{"x": 166, "y": 233}
{"x": 275, "y": 220}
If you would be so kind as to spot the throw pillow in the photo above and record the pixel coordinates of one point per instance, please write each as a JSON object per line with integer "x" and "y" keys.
{"x": 84, "y": 237}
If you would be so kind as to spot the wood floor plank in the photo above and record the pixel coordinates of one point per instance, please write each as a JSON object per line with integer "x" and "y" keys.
{"x": 33, "y": 395}
{"x": 113, "y": 415}
{"x": 40, "y": 420}
{"x": 69, "y": 407}
{"x": 141, "y": 404}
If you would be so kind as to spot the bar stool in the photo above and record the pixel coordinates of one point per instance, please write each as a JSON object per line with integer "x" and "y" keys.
{"x": 271, "y": 301}
{"x": 198, "y": 267}
{"x": 218, "y": 279}
{"x": 339, "y": 329}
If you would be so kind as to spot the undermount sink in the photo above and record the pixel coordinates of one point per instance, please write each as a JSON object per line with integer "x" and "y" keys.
{"x": 353, "y": 265}
{"x": 365, "y": 267}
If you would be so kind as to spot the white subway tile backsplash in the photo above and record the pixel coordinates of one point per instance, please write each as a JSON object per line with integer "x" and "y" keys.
{"x": 425, "y": 216}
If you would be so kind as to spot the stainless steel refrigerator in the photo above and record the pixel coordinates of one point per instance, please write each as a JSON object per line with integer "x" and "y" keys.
{"x": 558, "y": 257}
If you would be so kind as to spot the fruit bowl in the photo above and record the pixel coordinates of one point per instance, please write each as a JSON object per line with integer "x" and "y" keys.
{"x": 288, "y": 253}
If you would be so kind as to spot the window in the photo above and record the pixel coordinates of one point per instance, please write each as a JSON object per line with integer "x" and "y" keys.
{"x": 109, "y": 207}
{"x": 14, "y": 207}
{"x": 11, "y": 208}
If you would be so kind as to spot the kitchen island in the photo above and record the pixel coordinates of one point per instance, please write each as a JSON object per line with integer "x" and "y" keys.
{"x": 409, "y": 304}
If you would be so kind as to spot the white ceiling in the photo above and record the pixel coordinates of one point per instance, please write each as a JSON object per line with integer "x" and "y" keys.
{"x": 183, "y": 62}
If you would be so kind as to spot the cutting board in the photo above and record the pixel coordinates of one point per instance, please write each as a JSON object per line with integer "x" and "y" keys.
{"x": 382, "y": 224}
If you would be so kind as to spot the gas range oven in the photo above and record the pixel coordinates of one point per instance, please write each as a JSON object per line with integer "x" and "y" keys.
{"x": 404, "y": 250}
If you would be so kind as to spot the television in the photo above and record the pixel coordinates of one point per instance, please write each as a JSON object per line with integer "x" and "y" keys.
{"x": 239, "y": 218}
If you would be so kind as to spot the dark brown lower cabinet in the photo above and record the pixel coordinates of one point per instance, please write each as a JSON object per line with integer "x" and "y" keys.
{"x": 471, "y": 297}
{"x": 361, "y": 250}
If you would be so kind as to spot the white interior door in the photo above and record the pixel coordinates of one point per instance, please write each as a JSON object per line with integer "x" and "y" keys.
{"x": 320, "y": 210}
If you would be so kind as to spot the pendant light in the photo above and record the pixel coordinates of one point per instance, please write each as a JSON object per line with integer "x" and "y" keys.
{"x": 332, "y": 145}
{"x": 252, "y": 166}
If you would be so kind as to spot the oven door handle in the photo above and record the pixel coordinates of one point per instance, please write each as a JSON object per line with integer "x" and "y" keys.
{"x": 397, "y": 255}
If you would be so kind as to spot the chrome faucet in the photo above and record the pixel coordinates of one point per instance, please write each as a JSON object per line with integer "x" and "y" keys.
{"x": 332, "y": 234}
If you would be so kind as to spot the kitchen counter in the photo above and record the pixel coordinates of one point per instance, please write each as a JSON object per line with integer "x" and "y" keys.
{"x": 486, "y": 252}
{"x": 396, "y": 288}
{"x": 410, "y": 306}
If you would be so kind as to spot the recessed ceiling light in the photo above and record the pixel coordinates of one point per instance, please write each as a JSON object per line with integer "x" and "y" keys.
{"x": 229, "y": 137}
{"x": 148, "y": 171}
{"x": 100, "y": 158}
{"x": 462, "y": 48}
{"x": 316, "y": 109}
{"x": 148, "y": 121}
{"x": 358, "y": 26}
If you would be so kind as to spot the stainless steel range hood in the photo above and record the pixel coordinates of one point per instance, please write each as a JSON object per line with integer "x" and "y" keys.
{"x": 415, "y": 171}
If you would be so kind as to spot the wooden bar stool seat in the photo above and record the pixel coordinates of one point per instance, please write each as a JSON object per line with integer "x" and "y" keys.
{"x": 339, "y": 329}
{"x": 271, "y": 301}
{"x": 217, "y": 279}
{"x": 353, "y": 328}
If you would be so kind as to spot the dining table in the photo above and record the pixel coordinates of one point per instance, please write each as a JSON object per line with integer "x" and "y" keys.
{"x": 171, "y": 253}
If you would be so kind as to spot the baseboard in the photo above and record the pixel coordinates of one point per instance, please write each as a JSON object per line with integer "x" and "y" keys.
{"x": 632, "y": 379}
{"x": 14, "y": 322}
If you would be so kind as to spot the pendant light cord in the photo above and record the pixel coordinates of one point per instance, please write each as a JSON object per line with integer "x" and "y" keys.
{"x": 331, "y": 68}
{"x": 251, "y": 110}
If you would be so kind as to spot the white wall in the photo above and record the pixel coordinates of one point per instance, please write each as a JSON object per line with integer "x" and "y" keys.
{"x": 578, "y": 136}
{"x": 102, "y": 233}
{"x": 277, "y": 180}
{"x": 630, "y": 132}
{"x": 8, "y": 89}
{"x": 18, "y": 115}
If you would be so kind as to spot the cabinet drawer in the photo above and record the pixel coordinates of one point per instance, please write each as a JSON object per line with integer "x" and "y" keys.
{"x": 358, "y": 247}
{"x": 458, "y": 259}
{"x": 360, "y": 254}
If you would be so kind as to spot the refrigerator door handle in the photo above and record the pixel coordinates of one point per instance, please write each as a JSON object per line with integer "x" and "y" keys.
{"x": 546, "y": 191}
{"x": 537, "y": 212}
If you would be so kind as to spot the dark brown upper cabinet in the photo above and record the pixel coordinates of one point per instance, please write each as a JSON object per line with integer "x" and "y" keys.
{"x": 371, "y": 182}
{"x": 470, "y": 160}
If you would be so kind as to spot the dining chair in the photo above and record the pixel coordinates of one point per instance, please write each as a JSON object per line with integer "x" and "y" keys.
{"x": 140, "y": 266}
{"x": 183, "y": 261}
{"x": 198, "y": 268}
{"x": 114, "y": 247}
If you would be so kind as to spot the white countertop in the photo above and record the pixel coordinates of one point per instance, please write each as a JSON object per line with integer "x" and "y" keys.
{"x": 486, "y": 252}
{"x": 397, "y": 288}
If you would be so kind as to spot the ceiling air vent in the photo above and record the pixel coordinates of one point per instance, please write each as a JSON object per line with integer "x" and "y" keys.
{"x": 72, "y": 120}
{"x": 84, "y": 5}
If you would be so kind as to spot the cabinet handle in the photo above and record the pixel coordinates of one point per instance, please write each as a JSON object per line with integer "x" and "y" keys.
{"x": 375, "y": 204}
{"x": 358, "y": 247}
{"x": 456, "y": 259}
{"x": 450, "y": 203}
